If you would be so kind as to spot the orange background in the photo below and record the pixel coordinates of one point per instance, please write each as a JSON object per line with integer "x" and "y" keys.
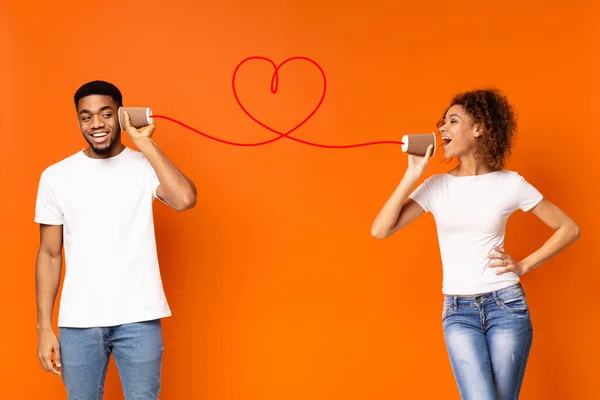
{"x": 277, "y": 288}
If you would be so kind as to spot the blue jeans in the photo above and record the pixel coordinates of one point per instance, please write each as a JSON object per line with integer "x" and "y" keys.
{"x": 488, "y": 337}
{"x": 137, "y": 348}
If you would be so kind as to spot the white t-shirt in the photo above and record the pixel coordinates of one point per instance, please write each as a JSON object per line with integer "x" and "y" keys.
{"x": 470, "y": 213}
{"x": 112, "y": 274}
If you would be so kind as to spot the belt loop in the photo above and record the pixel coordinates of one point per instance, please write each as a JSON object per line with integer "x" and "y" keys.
{"x": 455, "y": 305}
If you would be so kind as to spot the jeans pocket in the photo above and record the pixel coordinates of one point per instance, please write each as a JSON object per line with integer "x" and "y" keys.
{"x": 514, "y": 304}
{"x": 447, "y": 310}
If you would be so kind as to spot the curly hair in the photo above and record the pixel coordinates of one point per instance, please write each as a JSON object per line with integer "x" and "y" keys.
{"x": 494, "y": 115}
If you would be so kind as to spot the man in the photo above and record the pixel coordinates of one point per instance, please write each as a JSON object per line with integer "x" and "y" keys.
{"x": 98, "y": 203}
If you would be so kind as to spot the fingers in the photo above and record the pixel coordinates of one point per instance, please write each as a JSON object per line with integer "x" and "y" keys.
{"x": 498, "y": 249}
{"x": 149, "y": 129}
{"x": 55, "y": 366}
{"x": 132, "y": 130}
{"x": 57, "y": 358}
{"x": 500, "y": 260}
{"x": 501, "y": 271}
{"x": 49, "y": 365}
{"x": 503, "y": 263}
{"x": 46, "y": 362}
{"x": 126, "y": 120}
{"x": 429, "y": 151}
{"x": 127, "y": 123}
{"x": 498, "y": 253}
{"x": 140, "y": 131}
{"x": 42, "y": 361}
{"x": 499, "y": 263}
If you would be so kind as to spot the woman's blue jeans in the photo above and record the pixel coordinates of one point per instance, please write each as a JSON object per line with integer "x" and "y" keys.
{"x": 488, "y": 337}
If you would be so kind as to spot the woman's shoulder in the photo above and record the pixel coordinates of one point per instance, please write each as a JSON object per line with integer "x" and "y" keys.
{"x": 511, "y": 174}
{"x": 435, "y": 179}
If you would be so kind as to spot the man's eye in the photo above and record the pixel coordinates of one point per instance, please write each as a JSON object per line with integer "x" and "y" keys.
{"x": 108, "y": 115}
{"x": 85, "y": 118}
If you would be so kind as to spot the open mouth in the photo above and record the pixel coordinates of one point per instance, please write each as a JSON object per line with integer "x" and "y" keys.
{"x": 446, "y": 140}
{"x": 99, "y": 137}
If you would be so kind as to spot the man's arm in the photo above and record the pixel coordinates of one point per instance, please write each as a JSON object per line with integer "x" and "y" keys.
{"x": 175, "y": 189}
{"x": 47, "y": 278}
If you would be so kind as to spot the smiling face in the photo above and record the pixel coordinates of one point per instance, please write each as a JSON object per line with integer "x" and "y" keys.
{"x": 458, "y": 132}
{"x": 99, "y": 124}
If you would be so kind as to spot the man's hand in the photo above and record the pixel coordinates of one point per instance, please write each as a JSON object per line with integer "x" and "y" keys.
{"x": 138, "y": 134}
{"x": 49, "y": 352}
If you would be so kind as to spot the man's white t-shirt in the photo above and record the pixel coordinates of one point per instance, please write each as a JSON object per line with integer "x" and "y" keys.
{"x": 470, "y": 213}
{"x": 112, "y": 274}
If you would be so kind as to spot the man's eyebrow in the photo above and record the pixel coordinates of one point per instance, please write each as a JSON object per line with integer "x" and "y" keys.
{"x": 86, "y": 111}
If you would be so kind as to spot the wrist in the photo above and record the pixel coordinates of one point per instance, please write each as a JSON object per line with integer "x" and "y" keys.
{"x": 411, "y": 176}
{"x": 143, "y": 143}
{"x": 44, "y": 328}
{"x": 527, "y": 265}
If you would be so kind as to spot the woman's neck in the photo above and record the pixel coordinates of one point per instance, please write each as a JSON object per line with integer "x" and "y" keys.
{"x": 469, "y": 166}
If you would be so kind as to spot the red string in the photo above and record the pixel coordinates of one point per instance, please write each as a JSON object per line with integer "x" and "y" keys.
{"x": 281, "y": 135}
{"x": 274, "y": 87}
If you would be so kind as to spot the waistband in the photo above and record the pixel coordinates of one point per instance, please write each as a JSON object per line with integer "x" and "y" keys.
{"x": 510, "y": 291}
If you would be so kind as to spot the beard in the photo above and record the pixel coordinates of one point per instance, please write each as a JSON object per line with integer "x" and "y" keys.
{"x": 103, "y": 150}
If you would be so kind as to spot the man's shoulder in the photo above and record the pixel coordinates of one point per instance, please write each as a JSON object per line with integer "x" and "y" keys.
{"x": 136, "y": 161}
{"x": 136, "y": 156}
{"x": 59, "y": 167}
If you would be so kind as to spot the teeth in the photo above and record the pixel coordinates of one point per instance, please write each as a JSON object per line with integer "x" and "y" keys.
{"x": 99, "y": 135}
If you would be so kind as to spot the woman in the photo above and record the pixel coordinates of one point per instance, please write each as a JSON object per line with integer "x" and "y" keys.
{"x": 485, "y": 318}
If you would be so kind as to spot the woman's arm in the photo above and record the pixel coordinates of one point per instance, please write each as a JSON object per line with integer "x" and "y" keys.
{"x": 397, "y": 212}
{"x": 566, "y": 232}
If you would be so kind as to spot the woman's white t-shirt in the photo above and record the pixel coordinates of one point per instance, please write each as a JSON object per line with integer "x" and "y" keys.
{"x": 470, "y": 213}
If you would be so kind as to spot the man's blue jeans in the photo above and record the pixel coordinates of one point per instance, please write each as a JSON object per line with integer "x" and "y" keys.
{"x": 136, "y": 347}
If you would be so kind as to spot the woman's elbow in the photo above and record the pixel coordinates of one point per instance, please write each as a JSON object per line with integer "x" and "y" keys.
{"x": 570, "y": 231}
{"x": 575, "y": 231}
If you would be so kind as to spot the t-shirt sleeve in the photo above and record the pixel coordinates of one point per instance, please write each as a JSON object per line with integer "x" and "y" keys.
{"x": 422, "y": 194}
{"x": 154, "y": 183}
{"x": 47, "y": 209}
{"x": 153, "y": 178}
{"x": 527, "y": 195}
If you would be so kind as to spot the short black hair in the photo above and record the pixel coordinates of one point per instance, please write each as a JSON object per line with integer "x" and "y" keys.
{"x": 101, "y": 88}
